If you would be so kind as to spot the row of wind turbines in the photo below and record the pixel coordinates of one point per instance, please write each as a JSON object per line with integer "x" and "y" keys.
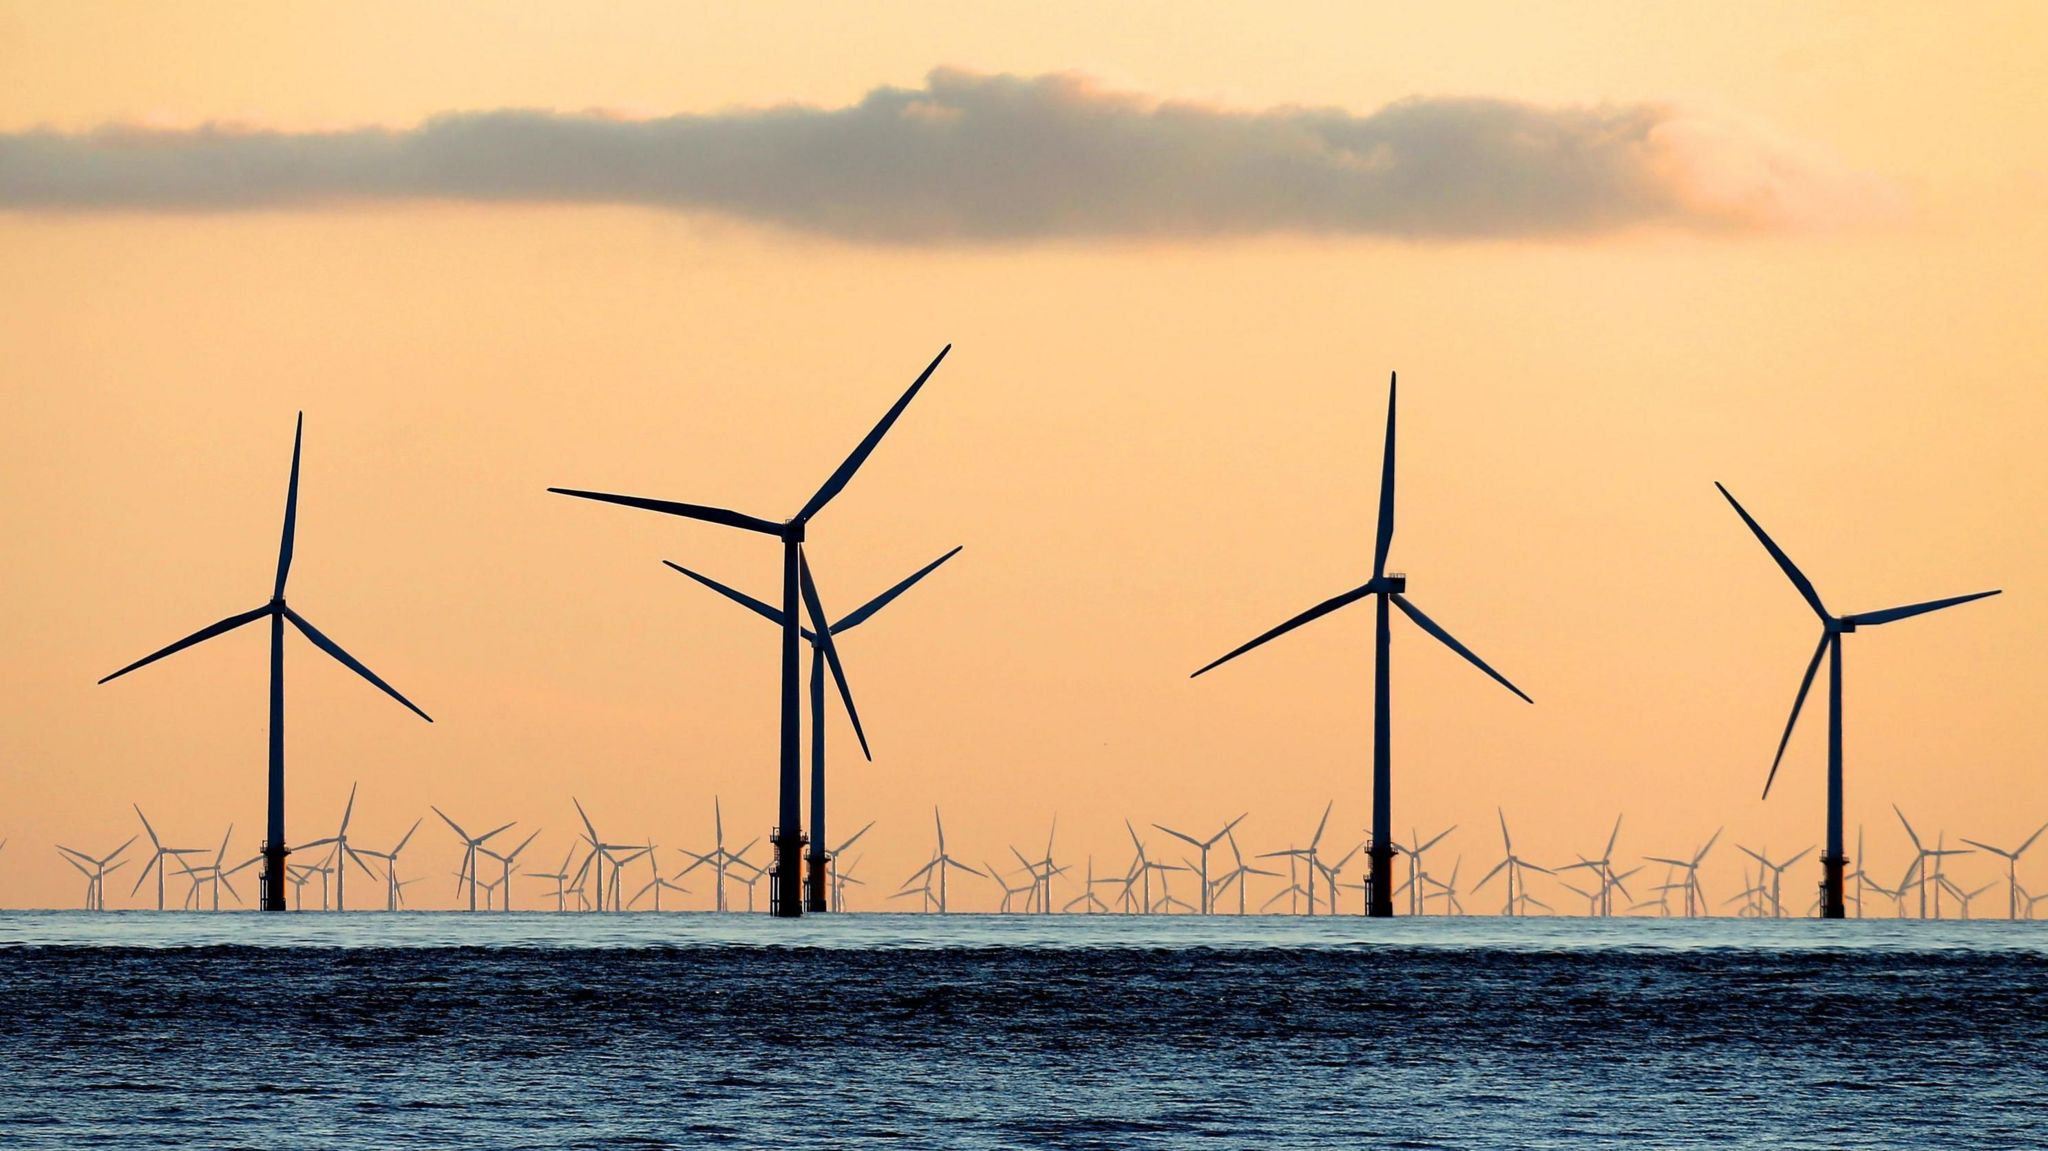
{"x": 1169, "y": 871}
{"x": 800, "y": 859}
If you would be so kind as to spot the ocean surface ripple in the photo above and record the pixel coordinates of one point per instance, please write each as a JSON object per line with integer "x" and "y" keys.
{"x": 543, "y": 1031}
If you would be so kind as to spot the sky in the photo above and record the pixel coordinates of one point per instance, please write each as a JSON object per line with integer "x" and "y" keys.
{"x": 1616, "y": 253}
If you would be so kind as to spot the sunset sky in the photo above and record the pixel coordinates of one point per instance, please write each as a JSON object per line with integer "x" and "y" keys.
{"x": 1616, "y": 252}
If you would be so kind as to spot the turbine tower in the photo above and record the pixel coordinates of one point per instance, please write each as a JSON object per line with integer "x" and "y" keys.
{"x": 1389, "y": 589}
{"x": 817, "y": 885}
{"x": 274, "y": 849}
{"x": 1832, "y": 629}
{"x": 787, "y": 900}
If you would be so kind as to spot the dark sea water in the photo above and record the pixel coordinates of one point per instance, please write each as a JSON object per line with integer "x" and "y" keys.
{"x": 516, "y": 1031}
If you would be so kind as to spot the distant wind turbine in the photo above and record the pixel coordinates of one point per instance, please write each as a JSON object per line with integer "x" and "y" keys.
{"x": 797, "y": 587}
{"x": 2012, "y": 865}
{"x": 1203, "y": 846}
{"x": 1695, "y": 894}
{"x": 1388, "y": 588}
{"x": 392, "y": 885}
{"x": 96, "y": 870}
{"x": 939, "y": 865}
{"x": 470, "y": 844}
{"x": 274, "y": 849}
{"x": 157, "y": 854}
{"x": 1309, "y": 853}
{"x": 1518, "y": 891}
{"x": 344, "y": 854}
{"x": 1832, "y": 629}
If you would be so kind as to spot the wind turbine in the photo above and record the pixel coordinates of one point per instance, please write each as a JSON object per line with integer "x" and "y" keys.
{"x": 1832, "y": 629}
{"x": 1695, "y": 894}
{"x": 1418, "y": 898}
{"x": 392, "y": 885}
{"x": 214, "y": 874}
{"x": 1514, "y": 865}
{"x": 841, "y": 876}
{"x": 1449, "y": 889}
{"x": 796, "y": 585}
{"x": 1330, "y": 874}
{"x": 1028, "y": 889}
{"x": 1388, "y": 588}
{"x": 561, "y": 877}
{"x": 506, "y": 861}
{"x": 1090, "y": 902}
{"x": 1603, "y": 868}
{"x": 1309, "y": 853}
{"x": 1201, "y": 845}
{"x": 657, "y": 885}
{"x": 470, "y": 844}
{"x": 96, "y": 869}
{"x": 1918, "y": 868}
{"x": 1942, "y": 883}
{"x": 1777, "y": 869}
{"x": 274, "y": 848}
{"x": 1238, "y": 871}
{"x": 344, "y": 853}
{"x": 1145, "y": 866}
{"x": 835, "y": 885}
{"x": 2012, "y": 868}
{"x": 940, "y": 862}
{"x": 820, "y": 658}
{"x": 156, "y": 858}
{"x": 600, "y": 853}
{"x": 1043, "y": 869}
{"x": 719, "y": 859}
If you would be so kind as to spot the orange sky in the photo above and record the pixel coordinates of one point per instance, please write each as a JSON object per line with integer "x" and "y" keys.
{"x": 1151, "y": 449}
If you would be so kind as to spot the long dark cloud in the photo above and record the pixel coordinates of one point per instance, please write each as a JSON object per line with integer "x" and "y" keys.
{"x": 997, "y": 158}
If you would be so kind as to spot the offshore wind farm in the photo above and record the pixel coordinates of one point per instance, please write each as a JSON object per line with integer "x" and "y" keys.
{"x": 790, "y": 500}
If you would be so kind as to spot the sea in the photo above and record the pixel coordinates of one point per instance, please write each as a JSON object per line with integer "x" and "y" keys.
{"x": 504, "y": 1031}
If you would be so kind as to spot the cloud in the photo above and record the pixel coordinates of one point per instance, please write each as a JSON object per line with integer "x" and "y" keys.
{"x": 983, "y": 158}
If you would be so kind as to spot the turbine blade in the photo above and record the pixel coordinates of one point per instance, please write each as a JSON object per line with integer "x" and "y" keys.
{"x": 1791, "y": 570}
{"x": 853, "y": 839}
{"x": 1178, "y": 834}
{"x": 1872, "y": 618}
{"x": 860, "y": 614}
{"x": 1385, "y": 538}
{"x": 687, "y": 511}
{"x": 291, "y": 513}
{"x": 349, "y": 810}
{"x": 454, "y": 826}
{"x": 153, "y": 840}
{"x": 838, "y": 480}
{"x": 200, "y": 636}
{"x": 1489, "y": 875}
{"x": 822, "y": 626}
{"x": 1317, "y": 612}
{"x": 334, "y": 649}
{"x": 1909, "y": 830}
{"x": 1429, "y": 625}
{"x": 1798, "y": 701}
{"x": 771, "y": 614}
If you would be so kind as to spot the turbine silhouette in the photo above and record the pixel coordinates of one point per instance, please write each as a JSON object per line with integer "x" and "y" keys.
{"x": 274, "y": 849}
{"x": 796, "y": 586}
{"x": 1389, "y": 588}
{"x": 1832, "y": 629}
